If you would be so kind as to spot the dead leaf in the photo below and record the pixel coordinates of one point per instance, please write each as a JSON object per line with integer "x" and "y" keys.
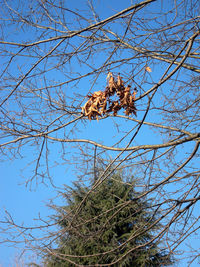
{"x": 97, "y": 102}
{"x": 109, "y": 75}
{"x": 120, "y": 82}
{"x": 148, "y": 69}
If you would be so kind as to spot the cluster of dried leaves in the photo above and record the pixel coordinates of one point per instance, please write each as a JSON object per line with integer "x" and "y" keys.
{"x": 100, "y": 103}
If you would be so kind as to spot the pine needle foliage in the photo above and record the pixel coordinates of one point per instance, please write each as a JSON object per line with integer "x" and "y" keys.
{"x": 112, "y": 228}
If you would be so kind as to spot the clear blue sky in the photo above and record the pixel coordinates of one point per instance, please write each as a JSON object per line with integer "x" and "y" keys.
{"x": 27, "y": 202}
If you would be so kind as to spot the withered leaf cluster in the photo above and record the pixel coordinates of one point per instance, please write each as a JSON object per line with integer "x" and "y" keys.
{"x": 100, "y": 103}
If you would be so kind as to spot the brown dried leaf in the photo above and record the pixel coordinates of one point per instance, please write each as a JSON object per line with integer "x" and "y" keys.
{"x": 148, "y": 69}
{"x": 97, "y": 102}
{"x": 112, "y": 85}
{"x": 120, "y": 82}
{"x": 115, "y": 107}
{"x": 126, "y": 99}
{"x": 109, "y": 75}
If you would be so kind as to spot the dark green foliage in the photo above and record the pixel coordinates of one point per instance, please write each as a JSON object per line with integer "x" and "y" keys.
{"x": 111, "y": 227}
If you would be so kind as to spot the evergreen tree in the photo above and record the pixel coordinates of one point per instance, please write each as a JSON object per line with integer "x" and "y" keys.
{"x": 111, "y": 225}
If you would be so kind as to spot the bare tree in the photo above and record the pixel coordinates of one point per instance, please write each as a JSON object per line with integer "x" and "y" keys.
{"x": 54, "y": 55}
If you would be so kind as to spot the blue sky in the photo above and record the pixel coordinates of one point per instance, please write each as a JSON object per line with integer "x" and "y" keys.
{"x": 26, "y": 202}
